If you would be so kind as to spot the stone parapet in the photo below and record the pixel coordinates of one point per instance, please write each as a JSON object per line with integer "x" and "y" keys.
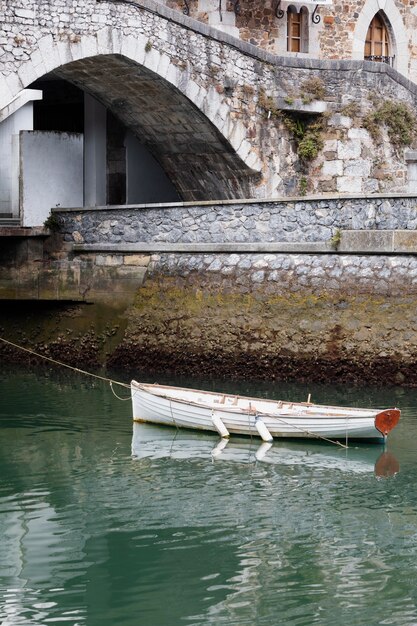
{"x": 277, "y": 222}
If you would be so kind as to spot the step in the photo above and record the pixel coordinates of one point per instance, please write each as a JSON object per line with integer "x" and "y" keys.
{"x": 7, "y": 222}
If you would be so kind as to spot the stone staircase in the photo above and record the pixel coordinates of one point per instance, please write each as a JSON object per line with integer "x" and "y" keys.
{"x": 7, "y": 220}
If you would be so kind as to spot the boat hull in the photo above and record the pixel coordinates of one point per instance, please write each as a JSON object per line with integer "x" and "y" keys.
{"x": 162, "y": 409}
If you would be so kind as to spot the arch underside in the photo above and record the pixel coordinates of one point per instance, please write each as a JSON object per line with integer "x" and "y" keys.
{"x": 199, "y": 161}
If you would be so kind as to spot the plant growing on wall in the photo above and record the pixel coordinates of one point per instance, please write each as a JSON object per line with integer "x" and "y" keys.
{"x": 52, "y": 223}
{"x": 306, "y": 130}
{"x": 312, "y": 89}
{"x": 336, "y": 239}
{"x": 307, "y": 133}
{"x": 398, "y": 119}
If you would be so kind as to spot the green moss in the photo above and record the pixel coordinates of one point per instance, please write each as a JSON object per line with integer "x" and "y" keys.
{"x": 336, "y": 239}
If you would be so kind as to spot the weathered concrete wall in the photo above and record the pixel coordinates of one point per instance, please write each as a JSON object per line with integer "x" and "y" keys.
{"x": 52, "y": 173}
{"x": 260, "y": 315}
{"x": 297, "y": 220}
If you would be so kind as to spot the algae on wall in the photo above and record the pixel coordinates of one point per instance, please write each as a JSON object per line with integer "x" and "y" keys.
{"x": 248, "y": 318}
{"x": 275, "y": 316}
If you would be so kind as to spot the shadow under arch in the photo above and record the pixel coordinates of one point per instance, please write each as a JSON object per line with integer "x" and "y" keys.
{"x": 196, "y": 157}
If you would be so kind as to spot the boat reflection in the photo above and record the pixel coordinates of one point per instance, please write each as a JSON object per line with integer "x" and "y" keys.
{"x": 155, "y": 442}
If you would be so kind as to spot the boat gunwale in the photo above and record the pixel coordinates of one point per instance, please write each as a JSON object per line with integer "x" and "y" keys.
{"x": 229, "y": 409}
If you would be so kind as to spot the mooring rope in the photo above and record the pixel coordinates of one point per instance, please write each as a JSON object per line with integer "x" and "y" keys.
{"x": 71, "y": 367}
{"x": 308, "y": 432}
{"x": 127, "y": 386}
{"x": 302, "y": 430}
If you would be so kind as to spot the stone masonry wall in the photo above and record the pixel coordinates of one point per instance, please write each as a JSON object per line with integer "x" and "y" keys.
{"x": 320, "y": 317}
{"x": 286, "y": 220}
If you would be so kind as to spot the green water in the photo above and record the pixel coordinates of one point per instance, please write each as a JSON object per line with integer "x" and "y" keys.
{"x": 181, "y": 532}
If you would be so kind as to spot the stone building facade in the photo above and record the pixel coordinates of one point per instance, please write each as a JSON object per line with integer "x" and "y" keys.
{"x": 343, "y": 29}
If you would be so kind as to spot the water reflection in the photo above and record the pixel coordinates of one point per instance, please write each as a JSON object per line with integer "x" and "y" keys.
{"x": 156, "y": 442}
{"x": 192, "y": 530}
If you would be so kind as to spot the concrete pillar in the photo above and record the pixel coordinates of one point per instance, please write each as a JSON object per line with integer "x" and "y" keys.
{"x": 411, "y": 160}
{"x": 21, "y": 119}
{"x": 94, "y": 152}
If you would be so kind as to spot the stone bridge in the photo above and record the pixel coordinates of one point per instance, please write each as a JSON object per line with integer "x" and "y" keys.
{"x": 204, "y": 104}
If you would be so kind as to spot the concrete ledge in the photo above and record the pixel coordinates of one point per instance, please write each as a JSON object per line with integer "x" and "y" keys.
{"x": 298, "y": 106}
{"x": 313, "y": 247}
{"x": 19, "y": 231}
{"x": 379, "y": 241}
{"x": 351, "y": 242}
{"x": 324, "y": 197}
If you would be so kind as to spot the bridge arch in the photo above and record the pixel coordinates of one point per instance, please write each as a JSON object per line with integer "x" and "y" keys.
{"x": 186, "y": 126}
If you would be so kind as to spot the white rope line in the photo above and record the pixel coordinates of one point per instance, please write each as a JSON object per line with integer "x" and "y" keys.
{"x": 115, "y": 394}
{"x": 304, "y": 430}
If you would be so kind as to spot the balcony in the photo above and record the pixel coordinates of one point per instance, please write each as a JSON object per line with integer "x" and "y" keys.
{"x": 380, "y": 59}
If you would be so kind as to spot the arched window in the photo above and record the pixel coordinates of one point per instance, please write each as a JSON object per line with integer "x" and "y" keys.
{"x": 377, "y": 44}
{"x": 297, "y": 29}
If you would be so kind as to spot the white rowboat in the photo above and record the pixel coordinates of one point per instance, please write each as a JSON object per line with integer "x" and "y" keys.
{"x": 228, "y": 414}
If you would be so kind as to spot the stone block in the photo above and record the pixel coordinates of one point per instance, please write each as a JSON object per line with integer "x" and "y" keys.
{"x": 139, "y": 260}
{"x": 332, "y": 168}
{"x": 109, "y": 260}
{"x": 349, "y": 184}
{"x": 25, "y": 13}
{"x": 359, "y": 134}
{"x": 348, "y": 149}
{"x": 340, "y": 121}
{"x": 366, "y": 241}
{"x": 359, "y": 167}
{"x": 405, "y": 241}
{"x": 330, "y": 145}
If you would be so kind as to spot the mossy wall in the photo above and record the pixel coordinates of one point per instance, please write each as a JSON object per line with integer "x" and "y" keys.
{"x": 324, "y": 317}
{"x": 316, "y": 318}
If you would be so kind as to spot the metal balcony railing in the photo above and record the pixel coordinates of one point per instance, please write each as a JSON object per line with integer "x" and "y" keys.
{"x": 380, "y": 59}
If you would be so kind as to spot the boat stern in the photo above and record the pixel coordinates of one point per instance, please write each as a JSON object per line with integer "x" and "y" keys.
{"x": 386, "y": 420}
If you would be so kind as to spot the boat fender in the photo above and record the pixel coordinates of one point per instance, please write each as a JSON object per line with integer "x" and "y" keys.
{"x": 262, "y": 430}
{"x": 219, "y": 426}
{"x": 219, "y": 448}
{"x": 262, "y": 450}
